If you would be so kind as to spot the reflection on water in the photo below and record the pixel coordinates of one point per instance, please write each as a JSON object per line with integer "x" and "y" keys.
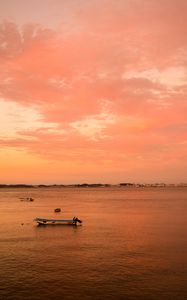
{"x": 132, "y": 244}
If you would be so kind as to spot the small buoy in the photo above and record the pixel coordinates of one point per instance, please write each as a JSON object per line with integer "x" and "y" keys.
{"x": 57, "y": 209}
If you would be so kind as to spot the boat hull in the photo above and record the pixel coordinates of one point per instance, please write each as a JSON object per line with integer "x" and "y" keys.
{"x": 44, "y": 222}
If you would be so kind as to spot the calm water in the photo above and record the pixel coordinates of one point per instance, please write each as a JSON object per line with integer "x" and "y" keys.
{"x": 132, "y": 244}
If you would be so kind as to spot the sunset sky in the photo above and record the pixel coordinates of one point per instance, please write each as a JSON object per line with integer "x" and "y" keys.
{"x": 93, "y": 91}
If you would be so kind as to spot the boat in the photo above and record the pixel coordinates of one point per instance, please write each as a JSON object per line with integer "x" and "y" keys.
{"x": 26, "y": 199}
{"x": 43, "y": 221}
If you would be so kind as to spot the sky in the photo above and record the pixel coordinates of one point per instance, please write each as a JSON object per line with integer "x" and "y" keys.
{"x": 93, "y": 91}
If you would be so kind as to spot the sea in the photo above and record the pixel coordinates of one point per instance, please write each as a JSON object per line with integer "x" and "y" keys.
{"x": 131, "y": 245}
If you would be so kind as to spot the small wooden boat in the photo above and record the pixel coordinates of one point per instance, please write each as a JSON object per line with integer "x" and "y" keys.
{"x": 43, "y": 221}
{"x": 26, "y": 199}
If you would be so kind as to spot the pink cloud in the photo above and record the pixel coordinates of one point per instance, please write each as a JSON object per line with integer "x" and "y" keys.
{"x": 112, "y": 60}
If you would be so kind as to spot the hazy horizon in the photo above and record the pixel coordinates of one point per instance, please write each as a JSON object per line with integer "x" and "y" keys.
{"x": 95, "y": 183}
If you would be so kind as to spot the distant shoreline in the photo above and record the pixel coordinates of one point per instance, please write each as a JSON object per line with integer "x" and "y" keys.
{"x": 94, "y": 185}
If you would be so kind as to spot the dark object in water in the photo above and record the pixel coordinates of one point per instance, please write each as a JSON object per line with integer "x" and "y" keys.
{"x": 75, "y": 220}
{"x": 58, "y": 209}
{"x": 27, "y": 199}
{"x": 43, "y": 221}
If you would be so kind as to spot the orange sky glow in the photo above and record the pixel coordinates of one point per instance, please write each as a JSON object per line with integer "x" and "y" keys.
{"x": 93, "y": 91}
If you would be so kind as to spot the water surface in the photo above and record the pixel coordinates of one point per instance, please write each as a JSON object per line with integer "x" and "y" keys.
{"x": 132, "y": 244}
